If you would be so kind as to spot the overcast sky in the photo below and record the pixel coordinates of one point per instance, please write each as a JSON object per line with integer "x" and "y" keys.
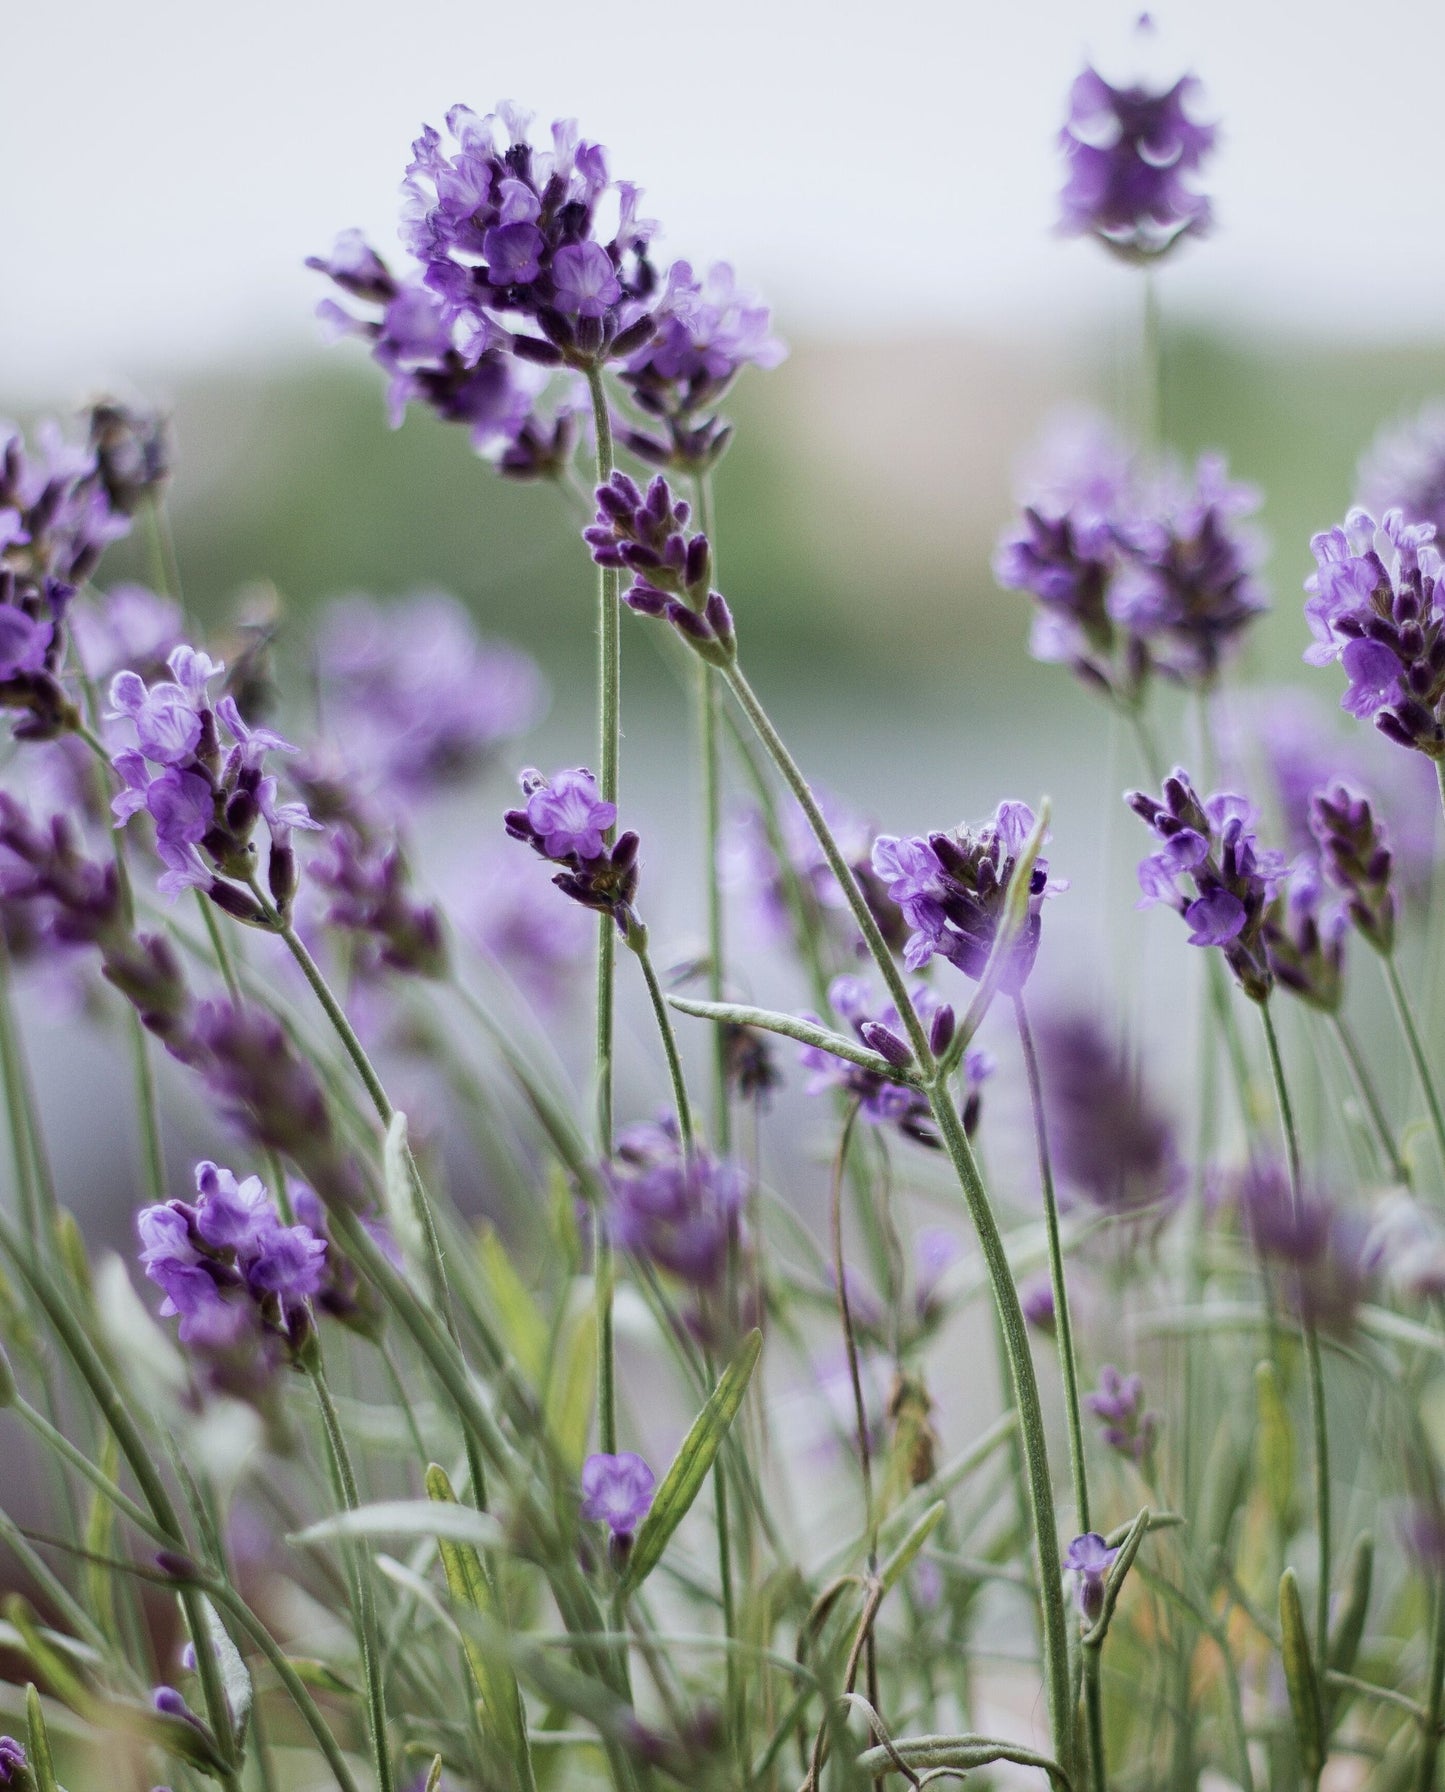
{"x": 873, "y": 165}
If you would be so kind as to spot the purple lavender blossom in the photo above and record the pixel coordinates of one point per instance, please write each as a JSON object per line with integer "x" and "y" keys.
{"x": 953, "y": 887}
{"x": 882, "y": 1101}
{"x": 1109, "y": 1138}
{"x": 1355, "y": 851}
{"x": 705, "y": 332}
{"x": 567, "y": 820}
{"x": 617, "y": 1491}
{"x": 1036, "y": 1297}
{"x": 129, "y": 626}
{"x": 56, "y": 518}
{"x": 538, "y": 942}
{"x": 508, "y": 235}
{"x": 1373, "y": 606}
{"x": 370, "y": 899}
{"x": 1316, "y": 1253}
{"x": 1118, "y": 1402}
{"x": 234, "y": 1276}
{"x": 1090, "y": 1558}
{"x": 203, "y": 800}
{"x": 1304, "y": 937}
{"x": 1405, "y": 466}
{"x": 671, "y": 566}
{"x": 677, "y": 1210}
{"x": 14, "y": 1767}
{"x": 415, "y": 696}
{"x": 1212, "y": 870}
{"x": 1131, "y": 155}
{"x": 1132, "y": 574}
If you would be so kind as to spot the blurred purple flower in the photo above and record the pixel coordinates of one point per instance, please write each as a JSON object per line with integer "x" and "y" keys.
{"x": 1090, "y": 1558}
{"x": 677, "y": 1210}
{"x": 617, "y": 1491}
{"x": 1118, "y": 1402}
{"x": 1110, "y": 1140}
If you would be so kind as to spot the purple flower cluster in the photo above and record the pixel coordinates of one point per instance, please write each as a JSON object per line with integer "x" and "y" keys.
{"x": 677, "y": 1210}
{"x": 704, "y": 333}
{"x": 1109, "y": 1139}
{"x": 952, "y": 889}
{"x": 1131, "y": 155}
{"x": 617, "y": 1491}
{"x": 1133, "y": 575}
{"x": 370, "y": 898}
{"x": 1356, "y": 857}
{"x": 414, "y": 697}
{"x": 204, "y": 798}
{"x": 1405, "y": 466}
{"x": 879, "y": 1027}
{"x": 1316, "y": 1253}
{"x": 647, "y": 536}
{"x": 567, "y": 820}
{"x": 1091, "y": 1559}
{"x": 1373, "y": 606}
{"x": 509, "y": 234}
{"x": 1212, "y": 870}
{"x": 14, "y": 1767}
{"x": 538, "y": 942}
{"x": 130, "y": 627}
{"x": 1304, "y": 936}
{"x": 56, "y": 520}
{"x": 231, "y": 1272}
{"x": 1118, "y": 1402}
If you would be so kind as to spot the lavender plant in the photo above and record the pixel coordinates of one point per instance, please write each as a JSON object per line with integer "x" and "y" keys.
{"x": 1041, "y": 1437}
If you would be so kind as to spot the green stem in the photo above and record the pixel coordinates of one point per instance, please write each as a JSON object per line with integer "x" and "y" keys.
{"x": 16, "y": 1111}
{"x": 1313, "y": 1364}
{"x": 1434, "y": 1695}
{"x": 1417, "y": 1049}
{"x": 609, "y": 699}
{"x": 1068, "y": 1365}
{"x": 148, "y": 1109}
{"x": 1152, "y": 369}
{"x": 1006, "y": 1300}
{"x": 1370, "y": 1096}
{"x": 669, "y": 1046}
{"x": 359, "y": 1572}
{"x": 709, "y": 722}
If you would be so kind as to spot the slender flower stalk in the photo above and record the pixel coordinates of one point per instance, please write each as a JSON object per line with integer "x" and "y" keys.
{"x": 709, "y": 723}
{"x": 1318, "y": 1416}
{"x": 1418, "y": 1057}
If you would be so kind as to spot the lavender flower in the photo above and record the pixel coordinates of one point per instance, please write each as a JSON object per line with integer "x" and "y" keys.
{"x": 1315, "y": 1251}
{"x": 677, "y": 1210}
{"x": 415, "y": 697}
{"x": 510, "y": 235}
{"x": 56, "y": 518}
{"x": 1133, "y": 575}
{"x": 14, "y": 1768}
{"x": 203, "y": 802}
{"x": 1131, "y": 155}
{"x": 705, "y": 332}
{"x": 617, "y": 1491}
{"x": 1212, "y": 870}
{"x": 1304, "y": 937}
{"x": 880, "y": 1100}
{"x": 1405, "y": 466}
{"x": 952, "y": 889}
{"x": 1036, "y": 1297}
{"x": 370, "y": 899}
{"x": 1372, "y": 606}
{"x": 130, "y": 626}
{"x": 671, "y": 567}
{"x": 1108, "y": 1136}
{"x": 538, "y": 942}
{"x": 1119, "y": 1402}
{"x": 567, "y": 821}
{"x": 1357, "y": 860}
{"x": 1090, "y": 1558}
{"x": 234, "y": 1276}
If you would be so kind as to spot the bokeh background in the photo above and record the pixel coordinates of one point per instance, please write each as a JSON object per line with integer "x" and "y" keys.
{"x": 888, "y": 179}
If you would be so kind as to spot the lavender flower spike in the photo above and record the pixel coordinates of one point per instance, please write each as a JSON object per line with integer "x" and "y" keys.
{"x": 14, "y": 1767}
{"x": 953, "y": 888}
{"x": 1374, "y": 605}
{"x": 1213, "y": 871}
{"x": 1119, "y": 1402}
{"x": 1091, "y": 1559}
{"x": 647, "y": 536}
{"x": 1130, "y": 154}
{"x": 1357, "y": 860}
{"x": 567, "y": 820}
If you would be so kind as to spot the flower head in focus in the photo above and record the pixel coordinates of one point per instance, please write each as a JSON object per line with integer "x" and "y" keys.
{"x": 568, "y": 821}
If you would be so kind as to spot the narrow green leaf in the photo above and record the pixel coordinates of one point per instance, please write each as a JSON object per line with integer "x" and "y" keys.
{"x": 514, "y": 1313}
{"x": 434, "y": 1774}
{"x": 52, "y": 1667}
{"x": 42, "y": 1762}
{"x": 471, "y": 1589}
{"x": 1300, "y": 1677}
{"x": 1349, "y": 1626}
{"x": 961, "y": 1753}
{"x": 1114, "y": 1581}
{"x": 406, "y": 1518}
{"x": 902, "y": 1558}
{"x": 689, "y": 1469}
{"x": 235, "y": 1675}
{"x": 1276, "y": 1445}
{"x": 572, "y": 1386}
{"x": 806, "y": 1032}
{"x": 400, "y": 1195}
{"x": 100, "y": 1539}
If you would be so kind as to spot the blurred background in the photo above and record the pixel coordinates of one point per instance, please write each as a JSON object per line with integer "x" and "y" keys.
{"x": 889, "y": 181}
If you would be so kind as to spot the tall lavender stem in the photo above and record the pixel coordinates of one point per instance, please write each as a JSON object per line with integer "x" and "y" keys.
{"x": 1006, "y": 1300}
{"x": 709, "y": 726}
{"x": 609, "y": 692}
{"x": 1405, "y": 1014}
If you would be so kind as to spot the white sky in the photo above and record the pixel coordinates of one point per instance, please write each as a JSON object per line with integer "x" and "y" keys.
{"x": 872, "y": 165}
